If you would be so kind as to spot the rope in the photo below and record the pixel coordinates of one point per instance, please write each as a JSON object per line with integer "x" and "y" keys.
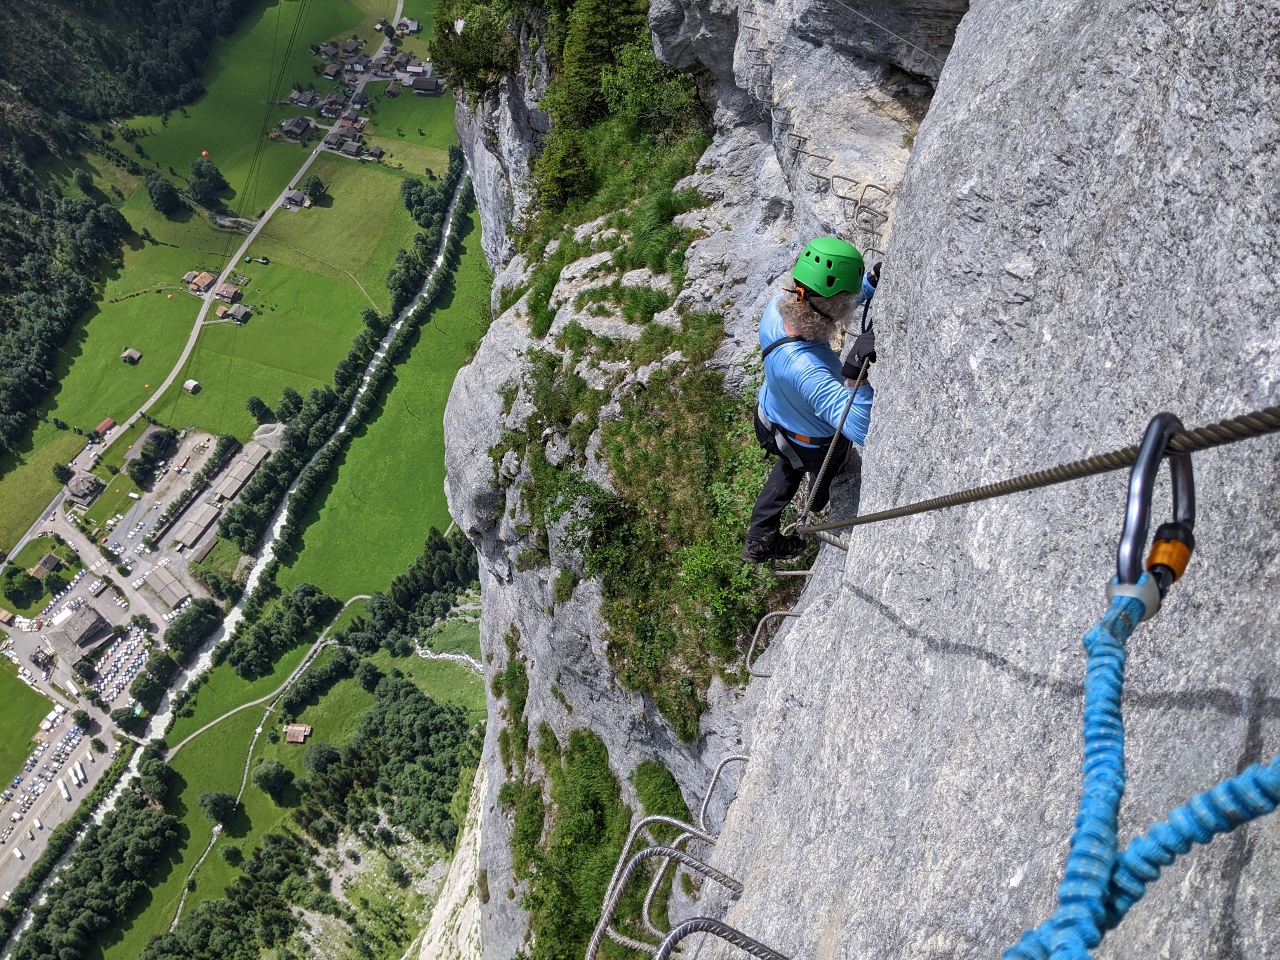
{"x": 1243, "y": 798}
{"x": 721, "y": 930}
{"x": 1099, "y": 887}
{"x": 1245, "y": 427}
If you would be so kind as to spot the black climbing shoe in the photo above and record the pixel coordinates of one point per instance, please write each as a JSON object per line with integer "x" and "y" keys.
{"x": 775, "y": 547}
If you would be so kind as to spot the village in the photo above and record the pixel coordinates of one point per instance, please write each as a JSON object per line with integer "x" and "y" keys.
{"x": 130, "y": 571}
{"x": 350, "y": 66}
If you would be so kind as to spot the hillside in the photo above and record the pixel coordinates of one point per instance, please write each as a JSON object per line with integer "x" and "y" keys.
{"x": 914, "y": 736}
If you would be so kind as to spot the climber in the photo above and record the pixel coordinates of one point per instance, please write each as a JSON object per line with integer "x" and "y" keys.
{"x": 806, "y": 390}
{"x": 869, "y": 284}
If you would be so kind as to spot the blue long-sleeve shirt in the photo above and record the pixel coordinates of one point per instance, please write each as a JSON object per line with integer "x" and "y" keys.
{"x": 803, "y": 390}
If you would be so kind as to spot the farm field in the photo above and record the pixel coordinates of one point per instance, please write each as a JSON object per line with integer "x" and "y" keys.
{"x": 414, "y": 119}
{"x": 21, "y": 710}
{"x": 370, "y": 520}
{"x": 302, "y": 325}
{"x": 26, "y": 479}
{"x": 357, "y": 227}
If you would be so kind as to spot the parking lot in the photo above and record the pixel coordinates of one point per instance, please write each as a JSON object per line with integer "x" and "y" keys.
{"x": 33, "y": 803}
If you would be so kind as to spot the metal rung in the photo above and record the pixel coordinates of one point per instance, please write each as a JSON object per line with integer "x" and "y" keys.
{"x": 755, "y": 639}
{"x": 718, "y": 929}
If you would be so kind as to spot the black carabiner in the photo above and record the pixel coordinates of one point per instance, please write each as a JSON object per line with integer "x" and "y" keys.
{"x": 1138, "y": 510}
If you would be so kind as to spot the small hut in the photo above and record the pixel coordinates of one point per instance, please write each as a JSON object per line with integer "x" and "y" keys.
{"x": 191, "y": 386}
{"x": 130, "y": 356}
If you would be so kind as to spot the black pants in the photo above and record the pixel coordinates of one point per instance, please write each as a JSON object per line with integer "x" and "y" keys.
{"x": 780, "y": 489}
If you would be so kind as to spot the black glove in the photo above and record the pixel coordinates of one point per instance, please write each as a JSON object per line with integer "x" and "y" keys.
{"x": 864, "y": 348}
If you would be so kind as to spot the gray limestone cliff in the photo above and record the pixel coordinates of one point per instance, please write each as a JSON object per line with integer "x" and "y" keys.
{"x": 1084, "y": 235}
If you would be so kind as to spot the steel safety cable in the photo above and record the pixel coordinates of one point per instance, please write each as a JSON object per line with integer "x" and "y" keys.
{"x": 1256, "y": 424}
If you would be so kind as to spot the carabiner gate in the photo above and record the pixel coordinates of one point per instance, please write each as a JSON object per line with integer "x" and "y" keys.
{"x": 1174, "y": 541}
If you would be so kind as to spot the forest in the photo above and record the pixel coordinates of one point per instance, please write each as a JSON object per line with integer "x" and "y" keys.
{"x": 406, "y": 757}
{"x": 97, "y": 886}
{"x": 302, "y": 611}
{"x": 50, "y": 252}
{"x": 417, "y": 598}
{"x": 106, "y": 58}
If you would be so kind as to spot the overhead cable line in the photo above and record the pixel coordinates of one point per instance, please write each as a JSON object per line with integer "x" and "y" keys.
{"x": 1249, "y": 425}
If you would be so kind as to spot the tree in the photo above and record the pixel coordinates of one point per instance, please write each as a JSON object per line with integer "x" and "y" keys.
{"x": 313, "y": 187}
{"x": 368, "y": 674}
{"x": 142, "y": 621}
{"x": 52, "y": 583}
{"x": 202, "y": 192}
{"x": 84, "y": 668}
{"x": 147, "y": 690}
{"x": 645, "y": 92}
{"x": 155, "y": 777}
{"x": 202, "y": 168}
{"x": 218, "y": 806}
{"x": 163, "y": 194}
{"x": 320, "y": 756}
{"x": 97, "y": 746}
{"x": 233, "y": 855}
{"x": 81, "y": 719}
{"x": 62, "y": 473}
{"x": 259, "y": 410}
{"x": 290, "y": 403}
{"x": 83, "y": 179}
{"x": 19, "y": 587}
{"x": 272, "y": 777}
{"x": 126, "y": 719}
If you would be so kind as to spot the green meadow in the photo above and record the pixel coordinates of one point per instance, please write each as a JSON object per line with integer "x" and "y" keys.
{"x": 21, "y": 710}
{"x": 427, "y": 121}
{"x": 442, "y": 680}
{"x": 370, "y": 519}
{"x": 302, "y": 325}
{"x": 352, "y": 232}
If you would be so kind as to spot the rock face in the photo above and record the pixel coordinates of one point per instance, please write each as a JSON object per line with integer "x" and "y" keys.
{"x": 767, "y": 198}
{"x": 1085, "y": 236}
{"x": 499, "y": 136}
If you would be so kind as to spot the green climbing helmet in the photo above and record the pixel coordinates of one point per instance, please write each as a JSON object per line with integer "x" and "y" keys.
{"x": 829, "y": 266}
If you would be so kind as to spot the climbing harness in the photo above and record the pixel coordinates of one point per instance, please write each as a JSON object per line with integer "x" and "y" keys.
{"x": 1099, "y": 886}
{"x": 1255, "y": 424}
